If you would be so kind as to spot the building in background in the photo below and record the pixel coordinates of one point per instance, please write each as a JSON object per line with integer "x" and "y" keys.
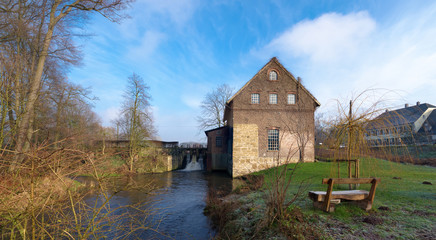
{"x": 405, "y": 126}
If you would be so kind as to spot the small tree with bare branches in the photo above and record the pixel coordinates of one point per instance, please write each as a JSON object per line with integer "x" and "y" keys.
{"x": 212, "y": 107}
{"x": 136, "y": 119}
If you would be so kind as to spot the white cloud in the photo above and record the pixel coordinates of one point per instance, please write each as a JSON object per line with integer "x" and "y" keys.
{"x": 110, "y": 114}
{"x": 330, "y": 37}
{"x": 179, "y": 11}
{"x": 148, "y": 44}
{"x": 191, "y": 100}
{"x": 337, "y": 55}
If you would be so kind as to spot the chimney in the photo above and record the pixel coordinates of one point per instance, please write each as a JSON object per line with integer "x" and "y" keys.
{"x": 406, "y": 105}
{"x": 417, "y": 103}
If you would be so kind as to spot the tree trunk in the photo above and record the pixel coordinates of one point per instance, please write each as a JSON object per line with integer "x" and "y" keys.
{"x": 23, "y": 133}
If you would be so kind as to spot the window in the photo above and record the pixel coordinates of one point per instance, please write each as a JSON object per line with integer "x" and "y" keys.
{"x": 255, "y": 98}
{"x": 291, "y": 98}
{"x": 273, "y": 140}
{"x": 273, "y": 76}
{"x": 273, "y": 98}
{"x": 219, "y": 141}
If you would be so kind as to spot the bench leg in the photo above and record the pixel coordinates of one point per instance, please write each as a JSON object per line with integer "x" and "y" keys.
{"x": 321, "y": 205}
{"x": 363, "y": 204}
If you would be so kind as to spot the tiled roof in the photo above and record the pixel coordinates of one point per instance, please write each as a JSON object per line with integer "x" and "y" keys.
{"x": 403, "y": 116}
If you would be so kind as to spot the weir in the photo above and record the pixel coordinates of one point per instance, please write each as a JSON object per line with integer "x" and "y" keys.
{"x": 183, "y": 156}
{"x": 193, "y": 164}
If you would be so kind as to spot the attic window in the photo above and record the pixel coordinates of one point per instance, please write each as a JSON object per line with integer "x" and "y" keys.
{"x": 273, "y": 75}
{"x": 255, "y": 98}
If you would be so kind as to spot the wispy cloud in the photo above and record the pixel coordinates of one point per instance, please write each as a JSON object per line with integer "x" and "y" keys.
{"x": 192, "y": 101}
{"x": 110, "y": 114}
{"x": 327, "y": 38}
{"x": 339, "y": 54}
{"x": 185, "y": 48}
{"x": 148, "y": 44}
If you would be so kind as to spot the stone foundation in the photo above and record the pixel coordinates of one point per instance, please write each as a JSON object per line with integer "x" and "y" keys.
{"x": 246, "y": 157}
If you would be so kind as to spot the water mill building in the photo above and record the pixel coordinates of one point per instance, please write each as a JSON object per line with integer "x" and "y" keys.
{"x": 269, "y": 121}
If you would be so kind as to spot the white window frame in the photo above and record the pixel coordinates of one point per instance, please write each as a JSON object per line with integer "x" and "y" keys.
{"x": 273, "y": 139}
{"x": 273, "y": 75}
{"x": 255, "y": 98}
{"x": 273, "y": 98}
{"x": 291, "y": 99}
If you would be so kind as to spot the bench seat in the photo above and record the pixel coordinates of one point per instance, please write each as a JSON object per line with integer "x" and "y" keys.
{"x": 351, "y": 195}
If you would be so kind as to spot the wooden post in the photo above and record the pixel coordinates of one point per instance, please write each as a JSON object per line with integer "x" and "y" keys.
{"x": 357, "y": 168}
{"x": 328, "y": 195}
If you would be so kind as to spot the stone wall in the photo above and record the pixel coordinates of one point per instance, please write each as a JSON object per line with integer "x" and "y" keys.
{"x": 175, "y": 161}
{"x": 245, "y": 149}
{"x": 246, "y": 158}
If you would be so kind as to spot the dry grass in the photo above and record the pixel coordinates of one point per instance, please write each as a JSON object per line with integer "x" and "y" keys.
{"x": 41, "y": 200}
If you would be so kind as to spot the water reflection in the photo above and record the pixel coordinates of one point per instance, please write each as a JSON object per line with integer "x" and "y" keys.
{"x": 178, "y": 196}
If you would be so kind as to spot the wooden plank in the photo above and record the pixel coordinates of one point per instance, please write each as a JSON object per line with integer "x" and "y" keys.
{"x": 350, "y": 180}
{"x": 346, "y": 195}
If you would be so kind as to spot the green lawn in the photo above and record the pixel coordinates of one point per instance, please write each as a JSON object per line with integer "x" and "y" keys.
{"x": 411, "y": 204}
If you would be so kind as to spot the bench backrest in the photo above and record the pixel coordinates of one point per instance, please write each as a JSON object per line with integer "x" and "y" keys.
{"x": 351, "y": 180}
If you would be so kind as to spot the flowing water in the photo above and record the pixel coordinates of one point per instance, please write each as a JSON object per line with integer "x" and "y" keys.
{"x": 179, "y": 198}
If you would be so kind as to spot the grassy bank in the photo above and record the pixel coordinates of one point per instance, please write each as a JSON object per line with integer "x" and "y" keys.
{"x": 404, "y": 207}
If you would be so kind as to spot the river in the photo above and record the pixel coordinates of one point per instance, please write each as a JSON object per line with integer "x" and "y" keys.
{"x": 178, "y": 199}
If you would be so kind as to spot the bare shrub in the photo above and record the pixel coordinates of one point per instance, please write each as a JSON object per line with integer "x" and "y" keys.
{"x": 296, "y": 225}
{"x": 41, "y": 199}
{"x": 217, "y": 209}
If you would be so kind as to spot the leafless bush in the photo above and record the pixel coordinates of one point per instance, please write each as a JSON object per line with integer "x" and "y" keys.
{"x": 217, "y": 209}
{"x": 41, "y": 199}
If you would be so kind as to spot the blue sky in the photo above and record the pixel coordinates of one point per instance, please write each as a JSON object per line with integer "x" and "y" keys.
{"x": 185, "y": 48}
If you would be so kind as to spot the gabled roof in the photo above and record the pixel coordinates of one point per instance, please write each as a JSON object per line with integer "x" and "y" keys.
{"x": 274, "y": 59}
{"x": 402, "y": 116}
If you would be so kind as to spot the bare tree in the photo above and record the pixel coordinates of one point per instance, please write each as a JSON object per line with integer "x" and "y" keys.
{"x": 212, "y": 107}
{"x": 44, "y": 20}
{"x": 136, "y": 120}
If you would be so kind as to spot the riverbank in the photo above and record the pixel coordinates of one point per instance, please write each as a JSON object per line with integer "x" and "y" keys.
{"x": 404, "y": 206}
{"x": 41, "y": 198}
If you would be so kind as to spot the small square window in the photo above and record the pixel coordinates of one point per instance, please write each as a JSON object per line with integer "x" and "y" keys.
{"x": 273, "y": 140}
{"x": 273, "y": 98}
{"x": 219, "y": 141}
{"x": 255, "y": 98}
{"x": 291, "y": 98}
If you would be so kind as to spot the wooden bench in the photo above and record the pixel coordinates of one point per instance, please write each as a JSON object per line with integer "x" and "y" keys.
{"x": 327, "y": 200}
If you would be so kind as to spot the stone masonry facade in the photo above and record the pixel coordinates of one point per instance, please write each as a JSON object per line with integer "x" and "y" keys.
{"x": 272, "y": 101}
